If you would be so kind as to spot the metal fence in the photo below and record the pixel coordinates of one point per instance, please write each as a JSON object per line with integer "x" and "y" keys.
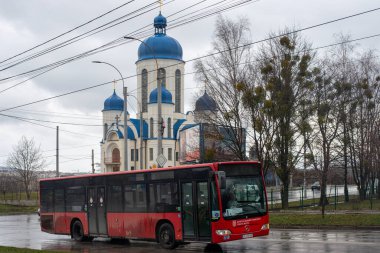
{"x": 300, "y": 198}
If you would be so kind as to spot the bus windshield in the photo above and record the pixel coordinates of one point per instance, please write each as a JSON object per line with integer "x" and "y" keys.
{"x": 244, "y": 194}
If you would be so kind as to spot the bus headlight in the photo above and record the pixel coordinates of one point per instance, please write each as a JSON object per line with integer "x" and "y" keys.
{"x": 223, "y": 232}
{"x": 265, "y": 226}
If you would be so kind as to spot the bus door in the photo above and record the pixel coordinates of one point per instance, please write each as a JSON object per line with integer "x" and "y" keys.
{"x": 195, "y": 210}
{"x": 96, "y": 199}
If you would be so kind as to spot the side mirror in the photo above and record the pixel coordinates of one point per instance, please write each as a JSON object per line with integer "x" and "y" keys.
{"x": 222, "y": 179}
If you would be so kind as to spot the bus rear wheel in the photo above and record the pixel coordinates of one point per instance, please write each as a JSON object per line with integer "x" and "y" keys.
{"x": 77, "y": 231}
{"x": 166, "y": 236}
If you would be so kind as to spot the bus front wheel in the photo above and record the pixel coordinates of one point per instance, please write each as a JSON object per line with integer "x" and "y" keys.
{"x": 77, "y": 231}
{"x": 166, "y": 236}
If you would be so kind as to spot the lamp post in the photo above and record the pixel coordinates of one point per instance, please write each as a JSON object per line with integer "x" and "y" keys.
{"x": 141, "y": 132}
{"x": 125, "y": 114}
{"x": 159, "y": 97}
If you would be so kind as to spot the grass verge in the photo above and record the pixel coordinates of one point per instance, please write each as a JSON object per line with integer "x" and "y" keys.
{"x": 18, "y": 196}
{"x": 11, "y": 209}
{"x": 20, "y": 250}
{"x": 312, "y": 204}
{"x": 299, "y": 219}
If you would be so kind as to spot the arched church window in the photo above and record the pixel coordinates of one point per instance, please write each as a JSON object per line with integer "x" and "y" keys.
{"x": 169, "y": 128}
{"x": 162, "y": 77}
{"x": 151, "y": 128}
{"x": 178, "y": 90}
{"x": 144, "y": 90}
{"x": 105, "y": 131}
{"x": 115, "y": 155}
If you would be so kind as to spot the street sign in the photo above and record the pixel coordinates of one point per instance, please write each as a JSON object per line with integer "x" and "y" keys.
{"x": 161, "y": 160}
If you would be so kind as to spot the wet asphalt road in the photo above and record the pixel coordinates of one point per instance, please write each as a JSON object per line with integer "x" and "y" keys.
{"x": 23, "y": 231}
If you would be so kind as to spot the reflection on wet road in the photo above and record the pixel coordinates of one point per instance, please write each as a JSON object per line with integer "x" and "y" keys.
{"x": 23, "y": 231}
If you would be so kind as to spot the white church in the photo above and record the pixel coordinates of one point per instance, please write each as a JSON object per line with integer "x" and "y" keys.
{"x": 164, "y": 53}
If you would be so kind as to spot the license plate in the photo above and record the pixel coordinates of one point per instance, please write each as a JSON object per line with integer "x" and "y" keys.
{"x": 247, "y": 236}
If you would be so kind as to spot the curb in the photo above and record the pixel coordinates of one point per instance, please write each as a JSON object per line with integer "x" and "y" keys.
{"x": 326, "y": 227}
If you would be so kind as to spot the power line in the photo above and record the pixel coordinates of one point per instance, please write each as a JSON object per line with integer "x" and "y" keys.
{"x": 288, "y": 33}
{"x": 201, "y": 57}
{"x": 38, "y": 124}
{"x": 101, "y": 49}
{"x": 109, "y": 45}
{"x": 71, "y": 160}
{"x": 83, "y": 35}
{"x": 65, "y": 43}
{"x": 65, "y": 148}
{"x": 244, "y": 63}
{"x": 71, "y": 41}
{"x": 60, "y": 114}
{"x": 69, "y": 31}
{"x": 49, "y": 121}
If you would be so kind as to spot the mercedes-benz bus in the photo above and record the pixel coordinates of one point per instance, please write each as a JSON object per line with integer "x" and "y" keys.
{"x": 214, "y": 203}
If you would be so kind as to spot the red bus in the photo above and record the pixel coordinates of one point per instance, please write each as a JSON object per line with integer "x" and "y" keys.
{"x": 215, "y": 202}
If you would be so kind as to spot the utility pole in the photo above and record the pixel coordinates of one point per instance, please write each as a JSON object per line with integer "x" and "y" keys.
{"x": 125, "y": 129}
{"x": 141, "y": 137}
{"x": 159, "y": 113}
{"x": 57, "y": 154}
{"x": 92, "y": 162}
{"x": 304, "y": 161}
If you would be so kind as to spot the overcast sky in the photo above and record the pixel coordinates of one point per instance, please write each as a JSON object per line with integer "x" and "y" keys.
{"x": 27, "y": 23}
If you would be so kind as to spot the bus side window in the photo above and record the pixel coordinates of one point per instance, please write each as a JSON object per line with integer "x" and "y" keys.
{"x": 163, "y": 197}
{"x": 135, "y": 198}
{"x": 140, "y": 198}
{"x": 129, "y": 197}
{"x": 115, "y": 199}
{"x": 59, "y": 200}
{"x": 47, "y": 200}
{"x": 75, "y": 199}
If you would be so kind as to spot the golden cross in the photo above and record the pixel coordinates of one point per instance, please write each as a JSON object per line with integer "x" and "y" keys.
{"x": 160, "y": 1}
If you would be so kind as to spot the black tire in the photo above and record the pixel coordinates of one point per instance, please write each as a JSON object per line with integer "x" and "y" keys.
{"x": 89, "y": 238}
{"x": 166, "y": 236}
{"x": 77, "y": 231}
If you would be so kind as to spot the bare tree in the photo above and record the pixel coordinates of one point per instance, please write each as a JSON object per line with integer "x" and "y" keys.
{"x": 259, "y": 107}
{"x": 285, "y": 71}
{"x": 222, "y": 73}
{"x": 343, "y": 64}
{"x": 326, "y": 121}
{"x": 364, "y": 117}
{"x": 25, "y": 161}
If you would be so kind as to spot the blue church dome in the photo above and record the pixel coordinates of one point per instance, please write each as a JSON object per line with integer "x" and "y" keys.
{"x": 166, "y": 96}
{"x": 205, "y": 103}
{"x": 114, "y": 103}
{"x": 160, "y": 21}
{"x": 160, "y": 45}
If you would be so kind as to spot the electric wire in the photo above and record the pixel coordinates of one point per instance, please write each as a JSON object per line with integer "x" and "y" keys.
{"x": 69, "y": 31}
{"x": 49, "y": 121}
{"x": 64, "y": 148}
{"x": 79, "y": 37}
{"x": 85, "y": 35}
{"x": 310, "y": 27}
{"x": 110, "y": 45}
{"x": 61, "y": 130}
{"x": 105, "y": 83}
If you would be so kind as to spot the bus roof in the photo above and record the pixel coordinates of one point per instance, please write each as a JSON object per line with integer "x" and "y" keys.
{"x": 211, "y": 165}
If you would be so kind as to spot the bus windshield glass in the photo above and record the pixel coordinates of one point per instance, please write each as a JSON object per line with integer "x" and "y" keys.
{"x": 244, "y": 194}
